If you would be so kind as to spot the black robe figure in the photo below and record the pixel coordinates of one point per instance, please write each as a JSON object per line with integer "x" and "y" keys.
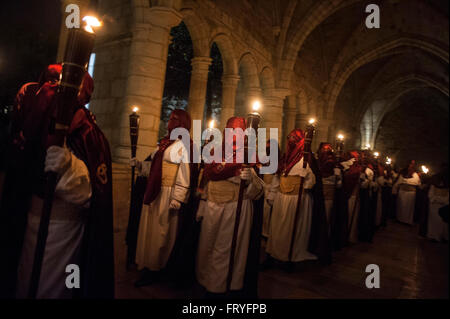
{"x": 319, "y": 240}
{"x": 181, "y": 264}
{"x": 339, "y": 229}
{"x": 364, "y": 216}
{"x": 367, "y": 198}
{"x": 134, "y": 218}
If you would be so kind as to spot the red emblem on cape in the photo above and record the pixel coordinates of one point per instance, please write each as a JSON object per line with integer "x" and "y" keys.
{"x": 102, "y": 173}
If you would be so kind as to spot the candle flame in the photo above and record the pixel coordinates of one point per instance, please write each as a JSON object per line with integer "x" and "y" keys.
{"x": 135, "y": 109}
{"x": 91, "y": 22}
{"x": 388, "y": 160}
{"x": 256, "y": 106}
{"x": 425, "y": 169}
{"x": 211, "y": 124}
{"x": 376, "y": 154}
{"x": 340, "y": 137}
{"x": 312, "y": 121}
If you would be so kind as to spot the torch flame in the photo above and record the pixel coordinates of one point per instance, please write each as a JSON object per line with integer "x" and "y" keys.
{"x": 256, "y": 106}
{"x": 425, "y": 169}
{"x": 312, "y": 121}
{"x": 135, "y": 109}
{"x": 340, "y": 137}
{"x": 91, "y": 22}
{"x": 211, "y": 124}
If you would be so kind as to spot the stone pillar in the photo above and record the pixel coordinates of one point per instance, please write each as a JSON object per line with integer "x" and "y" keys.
{"x": 272, "y": 113}
{"x": 197, "y": 90}
{"x": 301, "y": 120}
{"x": 290, "y": 114}
{"x": 145, "y": 80}
{"x": 322, "y": 132}
{"x": 63, "y": 33}
{"x": 229, "y": 87}
{"x": 273, "y": 109}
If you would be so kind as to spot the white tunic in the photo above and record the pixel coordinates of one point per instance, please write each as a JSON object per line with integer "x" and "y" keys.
{"x": 216, "y": 235}
{"x": 437, "y": 228}
{"x": 283, "y": 216}
{"x": 406, "y": 198}
{"x": 158, "y": 225}
{"x": 65, "y": 233}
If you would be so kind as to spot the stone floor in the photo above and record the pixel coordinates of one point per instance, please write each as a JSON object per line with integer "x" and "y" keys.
{"x": 410, "y": 267}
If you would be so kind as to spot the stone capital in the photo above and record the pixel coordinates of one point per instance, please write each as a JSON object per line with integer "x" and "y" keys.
{"x": 291, "y": 112}
{"x": 253, "y": 91}
{"x": 163, "y": 17}
{"x": 273, "y": 100}
{"x": 200, "y": 64}
{"x": 278, "y": 92}
{"x": 230, "y": 80}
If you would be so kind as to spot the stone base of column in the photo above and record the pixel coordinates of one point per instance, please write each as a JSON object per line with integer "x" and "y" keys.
{"x": 121, "y": 175}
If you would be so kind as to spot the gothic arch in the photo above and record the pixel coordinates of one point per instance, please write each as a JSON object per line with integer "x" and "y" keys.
{"x": 247, "y": 65}
{"x": 295, "y": 38}
{"x": 225, "y": 45}
{"x": 377, "y": 52}
{"x": 198, "y": 30}
{"x": 267, "y": 80}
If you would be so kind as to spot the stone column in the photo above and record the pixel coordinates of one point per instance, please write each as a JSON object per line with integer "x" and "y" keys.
{"x": 322, "y": 132}
{"x": 301, "y": 120}
{"x": 145, "y": 80}
{"x": 63, "y": 33}
{"x": 273, "y": 109}
{"x": 229, "y": 87}
{"x": 197, "y": 90}
{"x": 289, "y": 120}
{"x": 290, "y": 114}
{"x": 272, "y": 113}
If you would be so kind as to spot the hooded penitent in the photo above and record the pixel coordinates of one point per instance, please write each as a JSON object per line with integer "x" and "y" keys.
{"x": 178, "y": 119}
{"x": 219, "y": 171}
{"x": 327, "y": 160}
{"x": 88, "y": 143}
{"x": 294, "y": 151}
{"x": 351, "y": 176}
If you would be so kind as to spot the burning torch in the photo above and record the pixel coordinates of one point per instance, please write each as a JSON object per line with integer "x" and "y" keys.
{"x": 134, "y": 135}
{"x": 339, "y": 147}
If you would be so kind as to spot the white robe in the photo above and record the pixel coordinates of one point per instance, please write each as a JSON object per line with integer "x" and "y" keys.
{"x": 283, "y": 216}
{"x": 437, "y": 228}
{"x": 216, "y": 235}
{"x": 158, "y": 225}
{"x": 406, "y": 200}
{"x": 65, "y": 234}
